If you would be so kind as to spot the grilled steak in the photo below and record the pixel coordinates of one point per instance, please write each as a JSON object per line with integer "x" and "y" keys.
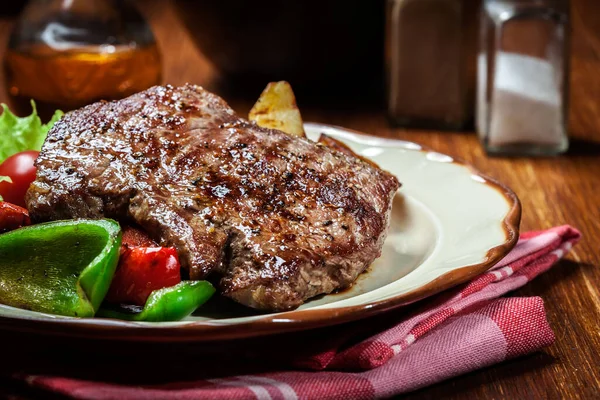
{"x": 280, "y": 219}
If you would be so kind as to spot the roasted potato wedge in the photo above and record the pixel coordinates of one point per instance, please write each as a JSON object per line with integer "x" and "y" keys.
{"x": 276, "y": 109}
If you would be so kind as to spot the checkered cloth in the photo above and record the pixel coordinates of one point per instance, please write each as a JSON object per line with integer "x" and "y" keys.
{"x": 461, "y": 330}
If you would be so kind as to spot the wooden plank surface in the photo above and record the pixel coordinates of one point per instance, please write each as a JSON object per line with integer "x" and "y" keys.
{"x": 554, "y": 191}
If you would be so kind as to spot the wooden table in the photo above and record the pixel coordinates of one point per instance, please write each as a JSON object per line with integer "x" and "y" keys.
{"x": 554, "y": 191}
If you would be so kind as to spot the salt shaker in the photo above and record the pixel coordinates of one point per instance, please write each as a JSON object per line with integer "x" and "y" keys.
{"x": 522, "y": 88}
{"x": 427, "y": 64}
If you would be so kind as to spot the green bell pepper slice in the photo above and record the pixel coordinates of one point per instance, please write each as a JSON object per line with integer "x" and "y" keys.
{"x": 62, "y": 267}
{"x": 167, "y": 304}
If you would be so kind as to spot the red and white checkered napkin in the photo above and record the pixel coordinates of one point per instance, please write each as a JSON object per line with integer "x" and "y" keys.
{"x": 454, "y": 333}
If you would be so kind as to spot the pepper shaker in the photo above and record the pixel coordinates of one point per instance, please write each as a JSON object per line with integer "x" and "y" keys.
{"x": 427, "y": 61}
{"x": 522, "y": 88}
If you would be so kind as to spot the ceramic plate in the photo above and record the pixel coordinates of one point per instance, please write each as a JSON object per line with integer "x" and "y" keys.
{"x": 449, "y": 223}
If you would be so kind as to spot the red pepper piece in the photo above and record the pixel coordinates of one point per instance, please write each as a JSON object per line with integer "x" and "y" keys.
{"x": 12, "y": 217}
{"x": 142, "y": 270}
{"x": 135, "y": 237}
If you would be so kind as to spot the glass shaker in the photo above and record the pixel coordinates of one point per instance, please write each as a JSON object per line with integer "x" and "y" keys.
{"x": 427, "y": 60}
{"x": 522, "y": 90}
{"x": 68, "y": 53}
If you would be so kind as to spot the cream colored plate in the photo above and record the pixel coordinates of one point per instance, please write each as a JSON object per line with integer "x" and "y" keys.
{"x": 449, "y": 223}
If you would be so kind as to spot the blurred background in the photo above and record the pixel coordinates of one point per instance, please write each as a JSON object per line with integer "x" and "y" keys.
{"x": 326, "y": 50}
{"x": 338, "y": 55}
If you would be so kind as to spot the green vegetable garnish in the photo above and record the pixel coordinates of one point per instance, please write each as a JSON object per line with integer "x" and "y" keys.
{"x": 62, "y": 267}
{"x": 21, "y": 134}
{"x": 168, "y": 304}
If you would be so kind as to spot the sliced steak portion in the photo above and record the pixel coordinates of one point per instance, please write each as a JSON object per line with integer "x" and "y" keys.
{"x": 281, "y": 219}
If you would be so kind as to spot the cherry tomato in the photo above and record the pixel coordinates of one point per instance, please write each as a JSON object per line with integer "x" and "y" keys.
{"x": 21, "y": 171}
{"x": 142, "y": 270}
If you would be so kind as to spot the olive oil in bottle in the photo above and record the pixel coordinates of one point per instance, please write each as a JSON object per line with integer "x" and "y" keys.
{"x": 65, "y": 54}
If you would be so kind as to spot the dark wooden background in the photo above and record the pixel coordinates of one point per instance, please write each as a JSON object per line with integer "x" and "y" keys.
{"x": 554, "y": 191}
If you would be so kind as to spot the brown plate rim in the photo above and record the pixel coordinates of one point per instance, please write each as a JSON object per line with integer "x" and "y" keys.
{"x": 206, "y": 331}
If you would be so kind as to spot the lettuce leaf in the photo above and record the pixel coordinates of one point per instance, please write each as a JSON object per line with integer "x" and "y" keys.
{"x": 21, "y": 134}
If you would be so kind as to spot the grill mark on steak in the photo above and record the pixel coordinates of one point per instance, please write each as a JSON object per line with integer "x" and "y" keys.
{"x": 280, "y": 218}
